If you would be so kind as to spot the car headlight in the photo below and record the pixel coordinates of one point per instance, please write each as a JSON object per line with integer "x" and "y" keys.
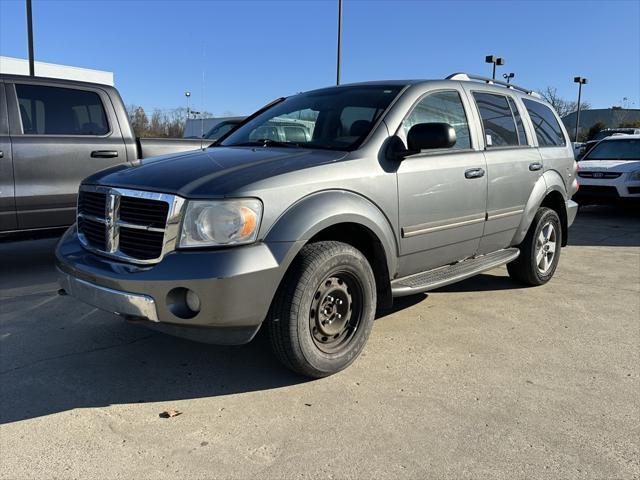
{"x": 209, "y": 223}
{"x": 635, "y": 175}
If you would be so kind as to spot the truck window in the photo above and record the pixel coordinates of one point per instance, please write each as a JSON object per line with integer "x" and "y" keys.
{"x": 445, "y": 107}
{"x": 545, "y": 124}
{"x": 60, "y": 111}
{"x": 522, "y": 137}
{"x": 497, "y": 119}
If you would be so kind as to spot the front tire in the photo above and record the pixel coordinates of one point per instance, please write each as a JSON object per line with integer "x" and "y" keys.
{"x": 539, "y": 251}
{"x": 324, "y": 309}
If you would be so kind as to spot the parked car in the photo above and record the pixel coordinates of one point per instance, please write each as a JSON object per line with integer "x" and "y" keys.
{"x": 601, "y": 135}
{"x": 402, "y": 187}
{"x": 222, "y": 128}
{"x": 611, "y": 171}
{"x": 54, "y": 133}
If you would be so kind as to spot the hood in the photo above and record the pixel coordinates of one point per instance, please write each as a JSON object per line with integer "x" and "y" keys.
{"x": 217, "y": 171}
{"x": 621, "y": 166}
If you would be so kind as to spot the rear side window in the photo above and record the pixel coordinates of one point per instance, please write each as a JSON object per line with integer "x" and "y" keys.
{"x": 60, "y": 111}
{"x": 498, "y": 121}
{"x": 442, "y": 107}
{"x": 545, "y": 124}
{"x": 522, "y": 137}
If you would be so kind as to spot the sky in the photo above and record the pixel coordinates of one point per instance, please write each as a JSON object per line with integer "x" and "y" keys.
{"x": 235, "y": 56}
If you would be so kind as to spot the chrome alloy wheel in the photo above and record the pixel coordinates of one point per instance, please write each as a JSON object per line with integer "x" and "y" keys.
{"x": 546, "y": 245}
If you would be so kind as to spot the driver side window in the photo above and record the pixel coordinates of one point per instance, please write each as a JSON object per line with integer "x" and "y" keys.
{"x": 442, "y": 107}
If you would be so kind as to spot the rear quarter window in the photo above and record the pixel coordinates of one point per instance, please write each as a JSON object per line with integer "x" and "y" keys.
{"x": 545, "y": 124}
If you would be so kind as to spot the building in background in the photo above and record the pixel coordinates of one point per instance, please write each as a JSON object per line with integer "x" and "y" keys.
{"x": 611, "y": 117}
{"x": 19, "y": 66}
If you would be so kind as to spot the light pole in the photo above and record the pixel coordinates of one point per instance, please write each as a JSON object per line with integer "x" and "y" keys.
{"x": 496, "y": 61}
{"x": 580, "y": 81}
{"x": 508, "y": 76}
{"x": 188, "y": 95}
{"x": 339, "y": 42}
{"x": 30, "y": 39}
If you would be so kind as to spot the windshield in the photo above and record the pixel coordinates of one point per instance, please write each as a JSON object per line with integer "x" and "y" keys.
{"x": 337, "y": 118}
{"x": 219, "y": 130}
{"x": 615, "y": 150}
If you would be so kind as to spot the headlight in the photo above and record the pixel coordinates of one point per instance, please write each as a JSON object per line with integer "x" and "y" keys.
{"x": 220, "y": 222}
{"x": 635, "y": 176}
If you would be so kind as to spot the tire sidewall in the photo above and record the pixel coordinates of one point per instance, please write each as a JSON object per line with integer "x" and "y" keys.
{"x": 355, "y": 264}
{"x": 547, "y": 216}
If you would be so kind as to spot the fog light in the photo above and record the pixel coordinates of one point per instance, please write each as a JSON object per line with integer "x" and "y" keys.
{"x": 193, "y": 301}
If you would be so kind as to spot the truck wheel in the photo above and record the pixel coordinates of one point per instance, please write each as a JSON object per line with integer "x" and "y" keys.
{"x": 539, "y": 251}
{"x": 324, "y": 309}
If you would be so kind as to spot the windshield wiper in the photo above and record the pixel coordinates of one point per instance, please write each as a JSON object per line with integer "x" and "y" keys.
{"x": 266, "y": 142}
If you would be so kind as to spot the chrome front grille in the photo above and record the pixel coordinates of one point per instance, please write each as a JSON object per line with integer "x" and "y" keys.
{"x": 130, "y": 225}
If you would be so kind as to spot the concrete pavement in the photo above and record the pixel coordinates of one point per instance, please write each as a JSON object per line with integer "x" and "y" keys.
{"x": 483, "y": 379}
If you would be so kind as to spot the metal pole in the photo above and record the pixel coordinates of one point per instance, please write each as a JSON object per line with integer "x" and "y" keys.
{"x": 30, "y": 35}
{"x": 578, "y": 116}
{"x": 339, "y": 41}
{"x": 494, "y": 70}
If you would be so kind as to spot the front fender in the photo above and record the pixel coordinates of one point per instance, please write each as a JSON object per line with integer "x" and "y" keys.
{"x": 548, "y": 182}
{"x": 314, "y": 213}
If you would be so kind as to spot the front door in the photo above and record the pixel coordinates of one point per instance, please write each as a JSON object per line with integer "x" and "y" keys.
{"x": 442, "y": 193}
{"x": 61, "y": 135}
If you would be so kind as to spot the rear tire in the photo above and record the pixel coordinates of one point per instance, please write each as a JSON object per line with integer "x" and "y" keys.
{"x": 539, "y": 251}
{"x": 324, "y": 309}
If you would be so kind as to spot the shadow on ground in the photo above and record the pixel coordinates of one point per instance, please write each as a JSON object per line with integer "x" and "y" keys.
{"x": 606, "y": 225}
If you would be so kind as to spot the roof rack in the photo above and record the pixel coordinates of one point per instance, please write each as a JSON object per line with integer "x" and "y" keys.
{"x": 466, "y": 77}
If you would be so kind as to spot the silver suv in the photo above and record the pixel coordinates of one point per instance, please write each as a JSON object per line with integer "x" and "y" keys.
{"x": 396, "y": 188}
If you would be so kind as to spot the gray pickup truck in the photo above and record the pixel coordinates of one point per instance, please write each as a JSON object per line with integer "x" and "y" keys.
{"x": 401, "y": 187}
{"x": 54, "y": 133}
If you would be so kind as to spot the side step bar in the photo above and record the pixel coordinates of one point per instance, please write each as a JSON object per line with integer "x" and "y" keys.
{"x": 441, "y": 276}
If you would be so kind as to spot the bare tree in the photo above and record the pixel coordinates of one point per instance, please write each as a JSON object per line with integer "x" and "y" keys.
{"x": 561, "y": 105}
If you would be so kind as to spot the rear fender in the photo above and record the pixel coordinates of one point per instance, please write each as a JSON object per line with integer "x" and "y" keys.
{"x": 548, "y": 182}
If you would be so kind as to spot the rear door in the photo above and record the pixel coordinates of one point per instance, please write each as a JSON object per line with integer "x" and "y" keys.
{"x": 60, "y": 135}
{"x": 7, "y": 202}
{"x": 513, "y": 166}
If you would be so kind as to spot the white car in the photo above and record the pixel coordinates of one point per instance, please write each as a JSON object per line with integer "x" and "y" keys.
{"x": 610, "y": 171}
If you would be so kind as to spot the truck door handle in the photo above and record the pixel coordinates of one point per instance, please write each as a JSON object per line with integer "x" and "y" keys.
{"x": 1, "y": 154}
{"x": 535, "y": 166}
{"x": 474, "y": 173}
{"x": 104, "y": 154}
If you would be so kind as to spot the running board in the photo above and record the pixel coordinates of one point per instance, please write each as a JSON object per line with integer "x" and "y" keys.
{"x": 441, "y": 276}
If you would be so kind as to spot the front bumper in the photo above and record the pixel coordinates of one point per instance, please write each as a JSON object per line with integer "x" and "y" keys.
{"x": 604, "y": 190}
{"x": 235, "y": 286}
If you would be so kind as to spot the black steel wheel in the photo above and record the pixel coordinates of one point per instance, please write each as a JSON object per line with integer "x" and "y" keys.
{"x": 324, "y": 309}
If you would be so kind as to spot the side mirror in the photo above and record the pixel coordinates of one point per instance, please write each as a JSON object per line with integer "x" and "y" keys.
{"x": 426, "y": 136}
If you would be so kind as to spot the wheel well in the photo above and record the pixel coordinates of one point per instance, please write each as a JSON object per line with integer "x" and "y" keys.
{"x": 369, "y": 244}
{"x": 555, "y": 201}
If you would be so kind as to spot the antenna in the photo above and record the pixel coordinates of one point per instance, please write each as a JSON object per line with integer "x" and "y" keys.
{"x": 202, "y": 112}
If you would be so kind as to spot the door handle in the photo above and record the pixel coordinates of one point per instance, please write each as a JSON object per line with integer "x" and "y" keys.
{"x": 474, "y": 173}
{"x": 104, "y": 154}
{"x": 1, "y": 154}
{"x": 535, "y": 166}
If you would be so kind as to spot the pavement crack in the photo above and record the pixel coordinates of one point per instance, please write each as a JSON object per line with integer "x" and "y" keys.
{"x": 66, "y": 355}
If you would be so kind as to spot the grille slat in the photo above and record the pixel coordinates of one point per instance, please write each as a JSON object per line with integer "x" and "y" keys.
{"x": 133, "y": 243}
{"x": 92, "y": 203}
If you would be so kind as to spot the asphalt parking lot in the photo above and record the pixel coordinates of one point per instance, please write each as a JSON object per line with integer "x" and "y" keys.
{"x": 483, "y": 379}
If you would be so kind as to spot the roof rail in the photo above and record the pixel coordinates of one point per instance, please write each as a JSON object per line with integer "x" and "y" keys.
{"x": 467, "y": 78}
